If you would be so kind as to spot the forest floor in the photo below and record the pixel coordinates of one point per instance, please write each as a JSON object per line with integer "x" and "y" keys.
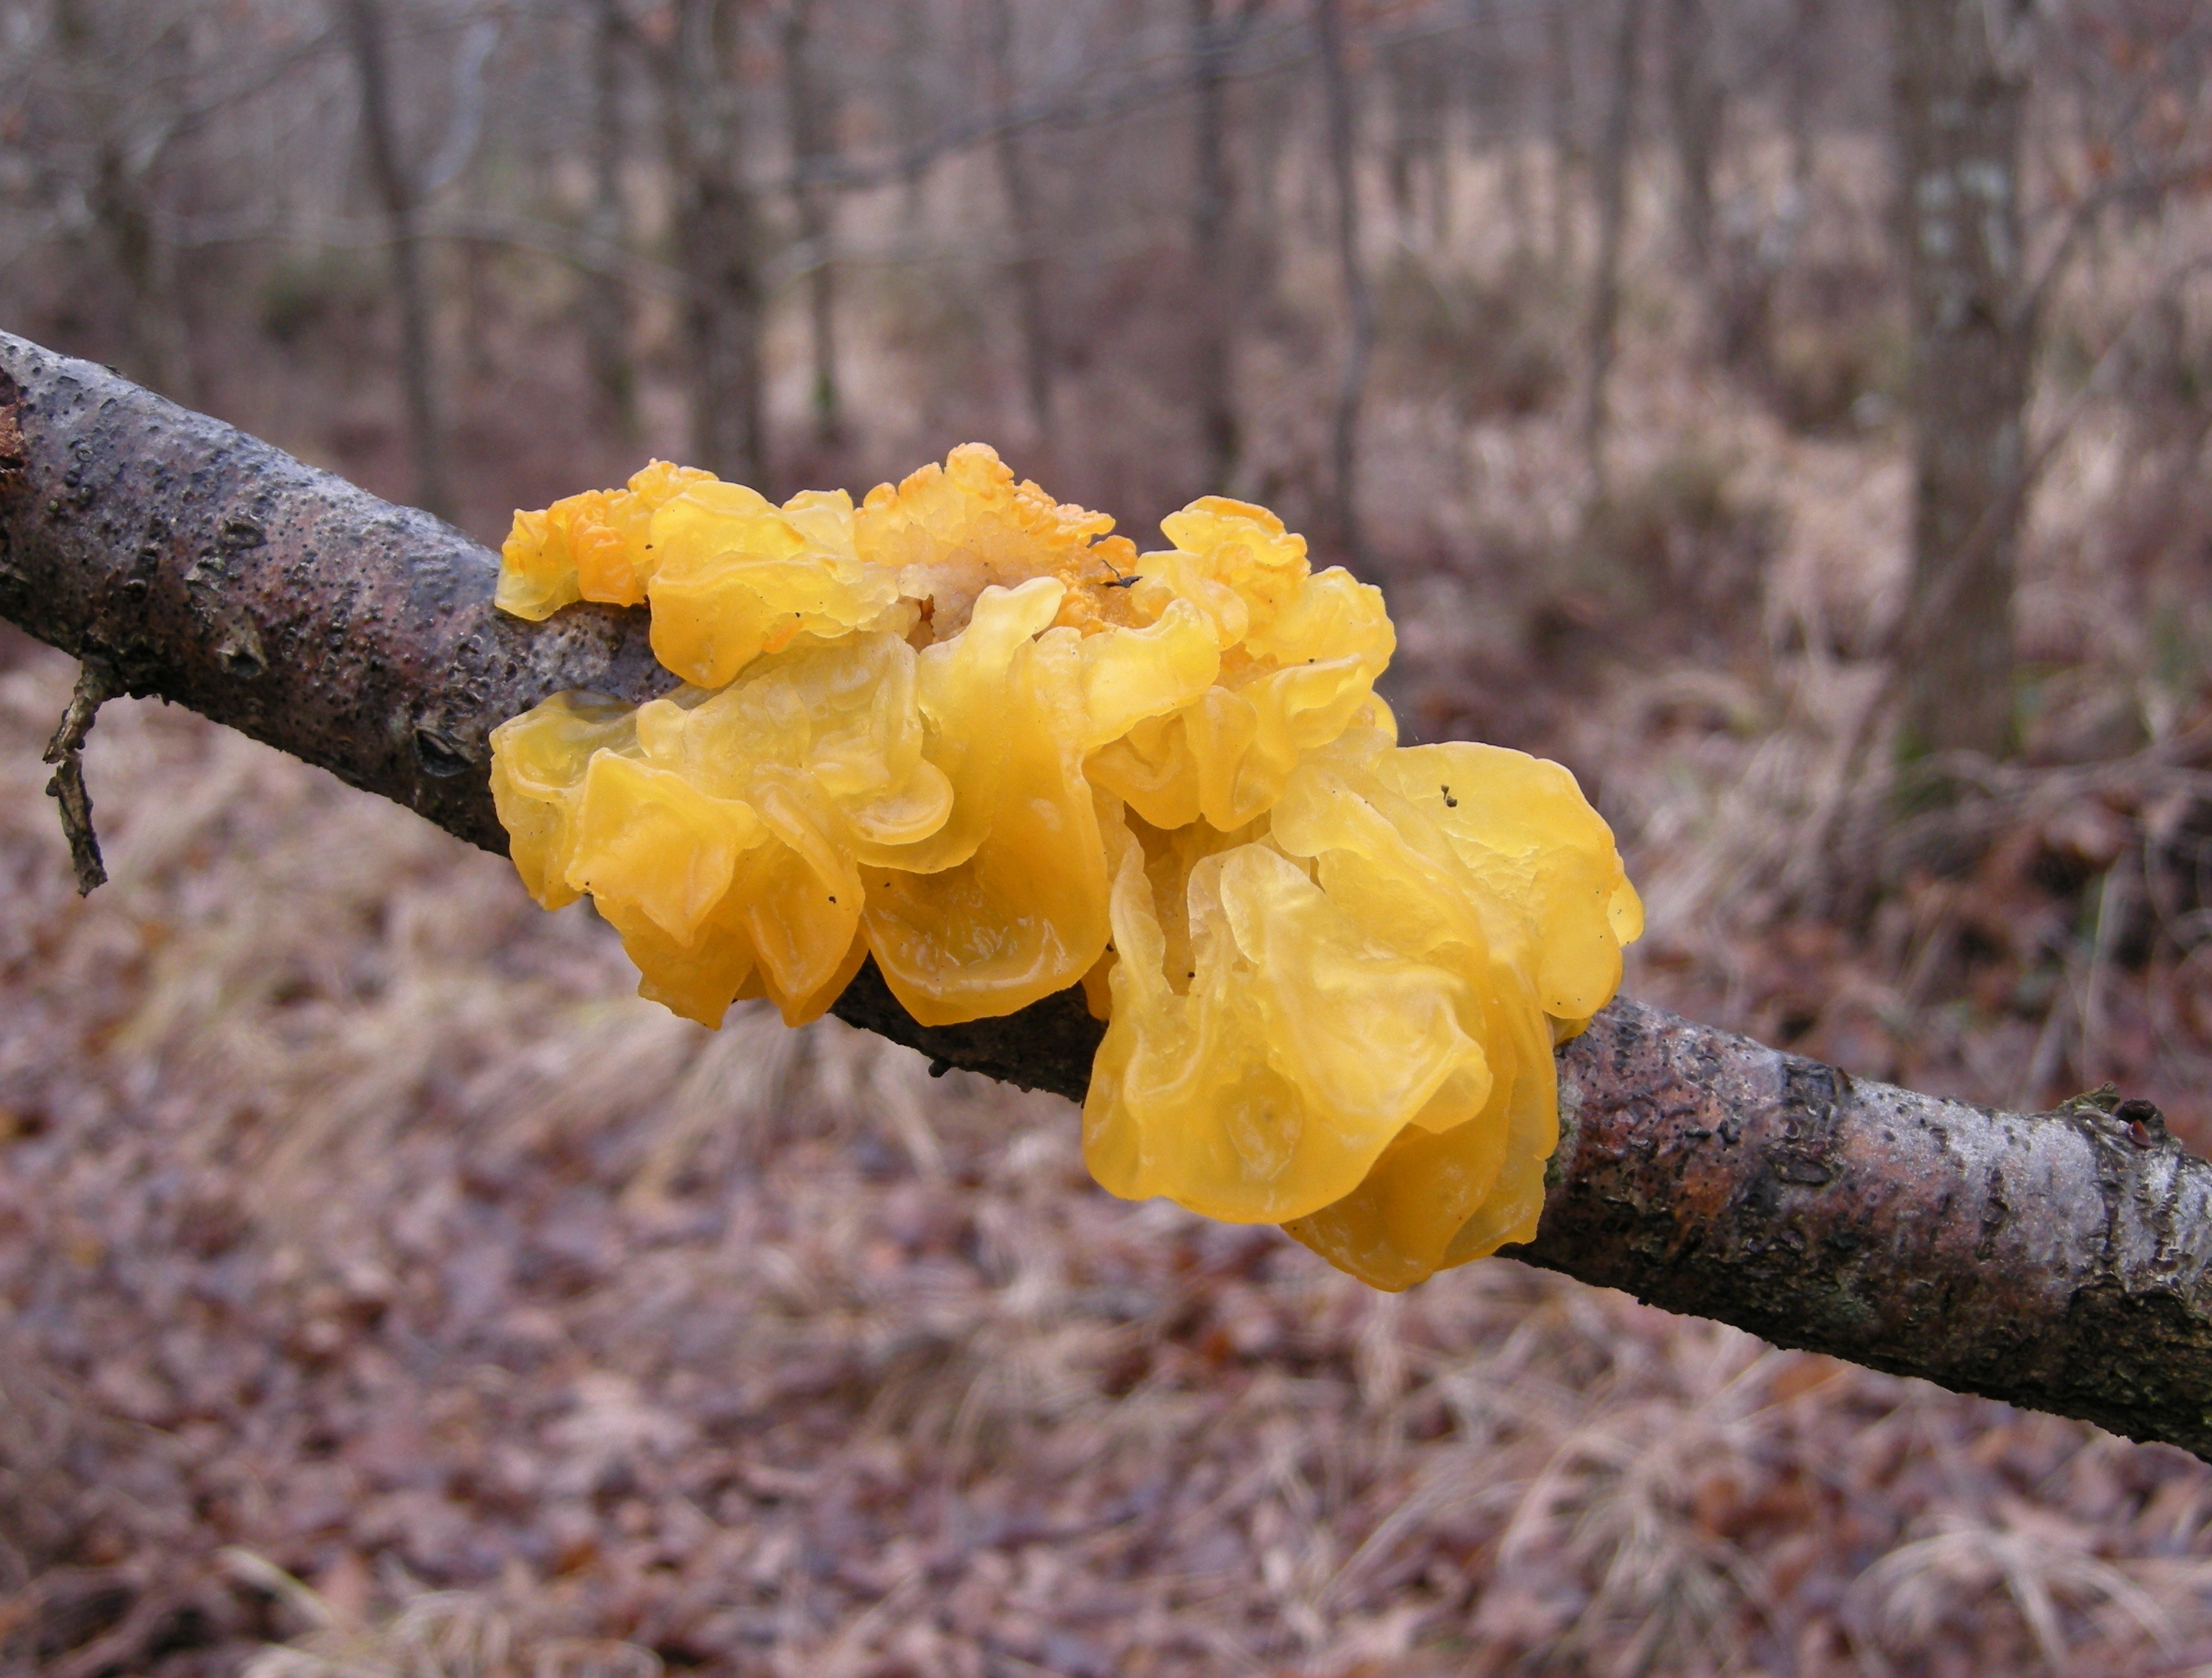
{"x": 384, "y": 1290}
{"x": 380, "y": 1277}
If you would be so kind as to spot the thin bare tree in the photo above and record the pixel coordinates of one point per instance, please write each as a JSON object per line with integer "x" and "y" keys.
{"x": 1566, "y": 134}
{"x": 809, "y": 101}
{"x": 1027, "y": 267}
{"x": 1359, "y": 297}
{"x": 909, "y": 55}
{"x": 1695, "y": 113}
{"x": 126, "y": 143}
{"x": 607, "y": 302}
{"x": 1612, "y": 191}
{"x": 1958, "y": 112}
{"x": 366, "y": 28}
{"x": 718, "y": 240}
{"x": 1214, "y": 39}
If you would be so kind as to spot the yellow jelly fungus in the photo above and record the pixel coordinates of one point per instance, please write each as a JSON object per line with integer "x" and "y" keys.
{"x": 965, "y": 730}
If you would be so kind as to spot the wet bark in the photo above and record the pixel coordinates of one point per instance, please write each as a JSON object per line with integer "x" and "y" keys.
{"x": 2059, "y": 1261}
{"x": 1959, "y": 113}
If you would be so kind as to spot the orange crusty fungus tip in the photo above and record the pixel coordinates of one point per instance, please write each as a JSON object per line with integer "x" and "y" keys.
{"x": 963, "y": 729}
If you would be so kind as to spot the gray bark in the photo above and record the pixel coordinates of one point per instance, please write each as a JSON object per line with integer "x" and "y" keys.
{"x": 2059, "y": 1261}
{"x": 1959, "y": 113}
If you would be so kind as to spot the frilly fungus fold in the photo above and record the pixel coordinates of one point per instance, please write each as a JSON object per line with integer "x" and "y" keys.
{"x": 964, "y": 728}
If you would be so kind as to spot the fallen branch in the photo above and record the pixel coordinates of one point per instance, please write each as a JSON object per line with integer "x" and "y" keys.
{"x": 2057, "y": 1260}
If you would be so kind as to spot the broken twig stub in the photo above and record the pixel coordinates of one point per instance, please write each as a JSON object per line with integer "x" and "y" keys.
{"x": 95, "y": 686}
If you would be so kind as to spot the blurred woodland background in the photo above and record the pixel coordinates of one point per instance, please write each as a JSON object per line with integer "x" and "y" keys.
{"x": 1791, "y": 414}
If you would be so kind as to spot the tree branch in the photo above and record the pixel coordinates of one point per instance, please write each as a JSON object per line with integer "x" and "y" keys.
{"x": 2062, "y": 1261}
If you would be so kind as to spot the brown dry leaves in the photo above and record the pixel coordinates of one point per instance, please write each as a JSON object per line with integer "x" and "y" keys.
{"x": 355, "y": 1226}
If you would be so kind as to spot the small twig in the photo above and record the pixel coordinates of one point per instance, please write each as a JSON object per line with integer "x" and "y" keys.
{"x": 95, "y": 686}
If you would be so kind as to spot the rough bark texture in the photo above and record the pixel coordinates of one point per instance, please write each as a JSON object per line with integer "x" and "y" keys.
{"x": 2062, "y": 1261}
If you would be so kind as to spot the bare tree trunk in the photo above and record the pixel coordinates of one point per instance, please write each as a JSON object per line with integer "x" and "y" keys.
{"x": 1958, "y": 115}
{"x": 2061, "y": 1260}
{"x": 1028, "y": 267}
{"x": 1566, "y": 143}
{"x": 1213, "y": 334}
{"x": 1695, "y": 113}
{"x": 147, "y": 264}
{"x": 814, "y": 121}
{"x": 717, "y": 242}
{"x": 1612, "y": 225}
{"x": 907, "y": 112}
{"x": 158, "y": 349}
{"x": 395, "y": 188}
{"x": 1359, "y": 300}
{"x": 1403, "y": 99}
{"x": 606, "y": 298}
{"x": 1493, "y": 117}
{"x": 1806, "y": 64}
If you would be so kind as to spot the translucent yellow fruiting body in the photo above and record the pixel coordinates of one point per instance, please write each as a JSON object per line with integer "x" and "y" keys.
{"x": 963, "y": 729}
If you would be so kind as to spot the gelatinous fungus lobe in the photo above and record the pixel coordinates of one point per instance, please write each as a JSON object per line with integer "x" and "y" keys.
{"x": 966, "y": 729}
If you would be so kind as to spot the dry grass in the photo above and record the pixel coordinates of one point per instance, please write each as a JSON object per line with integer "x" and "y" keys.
{"x": 359, "y": 1230}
